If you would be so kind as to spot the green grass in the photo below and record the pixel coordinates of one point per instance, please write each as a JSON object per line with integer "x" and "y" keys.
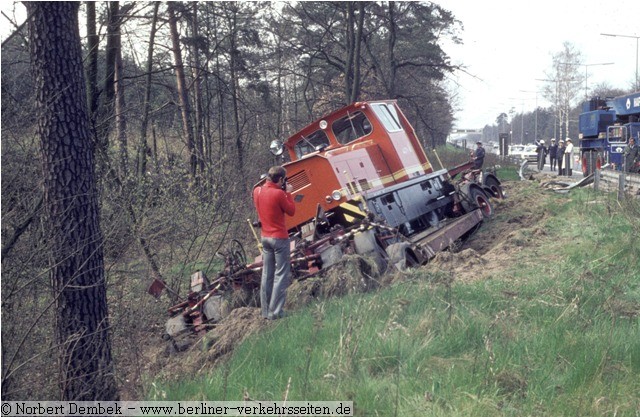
{"x": 560, "y": 337}
{"x": 508, "y": 173}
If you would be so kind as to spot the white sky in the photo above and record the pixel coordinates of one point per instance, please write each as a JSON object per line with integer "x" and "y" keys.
{"x": 508, "y": 44}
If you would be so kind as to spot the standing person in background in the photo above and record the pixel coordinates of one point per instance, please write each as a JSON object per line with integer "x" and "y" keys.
{"x": 478, "y": 156}
{"x": 568, "y": 157}
{"x": 631, "y": 155}
{"x": 541, "y": 150}
{"x": 560, "y": 156}
{"x": 273, "y": 200}
{"x": 553, "y": 149}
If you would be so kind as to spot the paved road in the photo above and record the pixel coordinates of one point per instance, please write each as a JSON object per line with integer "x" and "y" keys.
{"x": 577, "y": 170}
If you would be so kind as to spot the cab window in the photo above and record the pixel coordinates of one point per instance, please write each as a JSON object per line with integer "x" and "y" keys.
{"x": 312, "y": 143}
{"x": 618, "y": 134}
{"x": 351, "y": 127}
{"x": 388, "y": 115}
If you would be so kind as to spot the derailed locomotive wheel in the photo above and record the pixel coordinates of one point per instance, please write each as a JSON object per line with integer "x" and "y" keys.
{"x": 475, "y": 198}
{"x": 493, "y": 185}
{"x": 236, "y": 253}
{"x": 216, "y": 308}
{"x": 400, "y": 256}
{"x": 367, "y": 245}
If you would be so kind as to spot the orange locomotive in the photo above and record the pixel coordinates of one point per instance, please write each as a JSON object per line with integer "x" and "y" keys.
{"x": 364, "y": 163}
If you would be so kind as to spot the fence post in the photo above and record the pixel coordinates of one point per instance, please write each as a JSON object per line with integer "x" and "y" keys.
{"x": 596, "y": 180}
{"x": 621, "y": 187}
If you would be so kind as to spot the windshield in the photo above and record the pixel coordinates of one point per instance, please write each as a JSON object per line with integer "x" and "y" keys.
{"x": 311, "y": 143}
{"x": 388, "y": 116}
{"x": 351, "y": 127}
{"x": 617, "y": 134}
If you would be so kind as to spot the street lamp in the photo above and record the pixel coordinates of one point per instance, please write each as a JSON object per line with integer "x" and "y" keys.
{"x": 586, "y": 73}
{"x": 632, "y": 37}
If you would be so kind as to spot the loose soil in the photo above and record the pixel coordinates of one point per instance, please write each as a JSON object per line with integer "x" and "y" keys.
{"x": 518, "y": 223}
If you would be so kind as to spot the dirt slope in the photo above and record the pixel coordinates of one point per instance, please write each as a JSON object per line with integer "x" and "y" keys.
{"x": 518, "y": 223}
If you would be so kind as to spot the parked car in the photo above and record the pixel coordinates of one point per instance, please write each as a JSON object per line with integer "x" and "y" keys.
{"x": 527, "y": 152}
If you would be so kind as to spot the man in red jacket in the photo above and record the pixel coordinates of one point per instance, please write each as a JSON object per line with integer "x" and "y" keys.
{"x": 273, "y": 200}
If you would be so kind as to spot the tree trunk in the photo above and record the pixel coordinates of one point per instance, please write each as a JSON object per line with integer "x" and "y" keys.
{"x": 197, "y": 90}
{"x": 143, "y": 147}
{"x": 355, "y": 89}
{"x": 121, "y": 121}
{"x": 71, "y": 204}
{"x": 235, "y": 91}
{"x": 216, "y": 170}
{"x": 391, "y": 86}
{"x": 182, "y": 90}
{"x": 104, "y": 119}
{"x": 93, "y": 42}
{"x": 350, "y": 45}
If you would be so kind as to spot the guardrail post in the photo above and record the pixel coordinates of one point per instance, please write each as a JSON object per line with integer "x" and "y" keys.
{"x": 621, "y": 187}
{"x": 596, "y": 180}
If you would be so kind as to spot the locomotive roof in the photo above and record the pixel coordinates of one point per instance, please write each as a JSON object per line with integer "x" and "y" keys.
{"x": 329, "y": 118}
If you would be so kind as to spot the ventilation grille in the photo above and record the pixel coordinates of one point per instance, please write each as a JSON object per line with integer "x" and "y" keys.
{"x": 299, "y": 180}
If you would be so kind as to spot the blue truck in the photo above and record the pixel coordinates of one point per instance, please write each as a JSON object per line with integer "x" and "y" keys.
{"x": 605, "y": 127}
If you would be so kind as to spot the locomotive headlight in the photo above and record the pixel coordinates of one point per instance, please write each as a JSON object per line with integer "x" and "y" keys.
{"x": 335, "y": 196}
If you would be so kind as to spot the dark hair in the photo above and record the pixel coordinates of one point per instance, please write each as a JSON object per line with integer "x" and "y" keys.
{"x": 276, "y": 173}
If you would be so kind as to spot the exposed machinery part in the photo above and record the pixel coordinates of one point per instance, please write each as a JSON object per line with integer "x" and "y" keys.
{"x": 362, "y": 185}
{"x": 207, "y": 302}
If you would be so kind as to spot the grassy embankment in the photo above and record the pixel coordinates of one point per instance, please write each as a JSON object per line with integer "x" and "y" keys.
{"x": 555, "y": 332}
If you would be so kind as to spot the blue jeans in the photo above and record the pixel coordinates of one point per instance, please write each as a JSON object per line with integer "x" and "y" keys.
{"x": 276, "y": 270}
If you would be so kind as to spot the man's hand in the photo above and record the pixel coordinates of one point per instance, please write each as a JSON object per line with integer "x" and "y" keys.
{"x": 289, "y": 188}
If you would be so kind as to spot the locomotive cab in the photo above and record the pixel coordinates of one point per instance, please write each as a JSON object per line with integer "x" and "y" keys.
{"x": 362, "y": 160}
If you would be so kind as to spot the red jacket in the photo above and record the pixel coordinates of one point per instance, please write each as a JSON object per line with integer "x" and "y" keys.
{"x": 272, "y": 203}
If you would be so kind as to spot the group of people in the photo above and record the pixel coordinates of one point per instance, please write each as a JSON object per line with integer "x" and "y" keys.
{"x": 560, "y": 156}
